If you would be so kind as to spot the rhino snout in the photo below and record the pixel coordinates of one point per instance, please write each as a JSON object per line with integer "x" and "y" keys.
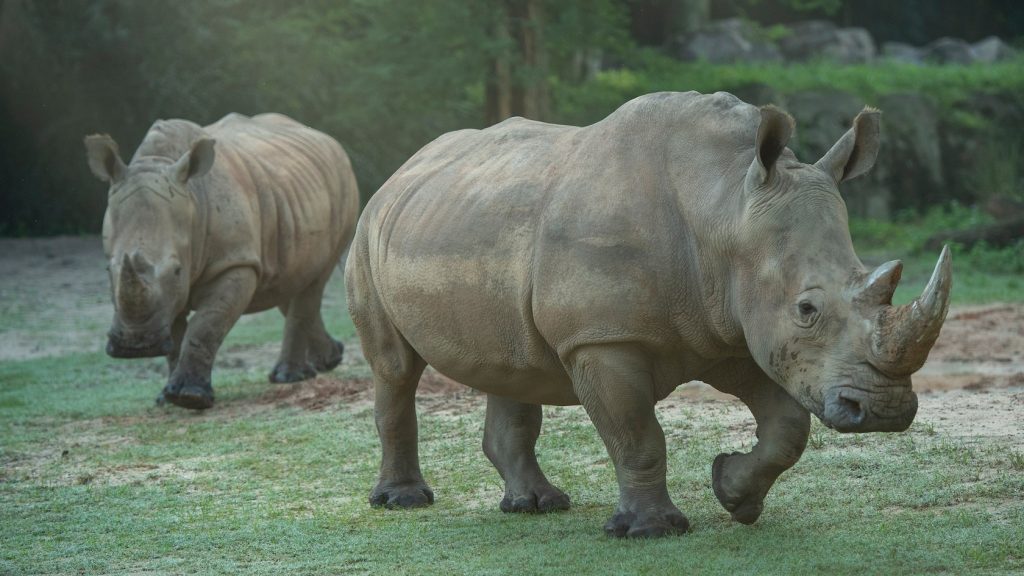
{"x": 849, "y": 409}
{"x": 124, "y": 344}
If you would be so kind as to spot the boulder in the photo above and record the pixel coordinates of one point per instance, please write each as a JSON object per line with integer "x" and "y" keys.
{"x": 820, "y": 39}
{"x": 902, "y": 52}
{"x": 991, "y": 49}
{"x": 949, "y": 51}
{"x": 913, "y": 147}
{"x": 981, "y": 145}
{"x": 726, "y": 42}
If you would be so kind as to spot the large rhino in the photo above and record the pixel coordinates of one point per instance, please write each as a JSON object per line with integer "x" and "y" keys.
{"x": 261, "y": 223}
{"x": 678, "y": 239}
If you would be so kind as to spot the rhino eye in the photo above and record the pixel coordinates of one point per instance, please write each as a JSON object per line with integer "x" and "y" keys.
{"x": 177, "y": 271}
{"x": 807, "y": 314}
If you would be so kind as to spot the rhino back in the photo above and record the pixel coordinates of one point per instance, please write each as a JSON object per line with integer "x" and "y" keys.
{"x": 498, "y": 252}
{"x": 287, "y": 199}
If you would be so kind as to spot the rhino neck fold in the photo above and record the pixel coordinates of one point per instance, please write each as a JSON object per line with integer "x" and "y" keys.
{"x": 713, "y": 213}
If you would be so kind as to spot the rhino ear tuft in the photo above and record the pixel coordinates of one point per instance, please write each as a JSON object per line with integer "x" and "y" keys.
{"x": 104, "y": 158}
{"x": 773, "y": 133}
{"x": 855, "y": 153}
{"x": 197, "y": 161}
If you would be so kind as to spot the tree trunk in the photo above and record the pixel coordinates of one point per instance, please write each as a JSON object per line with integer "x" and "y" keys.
{"x": 517, "y": 77}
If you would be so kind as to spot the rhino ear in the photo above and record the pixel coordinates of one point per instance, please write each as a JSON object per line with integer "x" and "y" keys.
{"x": 773, "y": 134}
{"x": 855, "y": 153}
{"x": 196, "y": 161}
{"x": 104, "y": 159}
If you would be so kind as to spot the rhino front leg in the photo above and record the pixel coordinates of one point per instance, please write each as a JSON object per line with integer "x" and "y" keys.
{"x": 741, "y": 481}
{"x": 614, "y": 384}
{"x": 217, "y": 307}
{"x": 510, "y": 435}
{"x": 177, "y": 336}
{"x": 307, "y": 347}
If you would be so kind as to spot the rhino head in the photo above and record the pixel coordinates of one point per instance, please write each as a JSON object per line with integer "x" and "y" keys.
{"x": 815, "y": 319}
{"x": 147, "y": 239}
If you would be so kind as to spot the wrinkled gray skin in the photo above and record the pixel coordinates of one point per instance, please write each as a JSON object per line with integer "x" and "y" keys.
{"x": 678, "y": 239}
{"x": 257, "y": 221}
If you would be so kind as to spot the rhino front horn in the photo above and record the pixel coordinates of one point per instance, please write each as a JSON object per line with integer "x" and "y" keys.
{"x": 904, "y": 335}
{"x": 131, "y": 287}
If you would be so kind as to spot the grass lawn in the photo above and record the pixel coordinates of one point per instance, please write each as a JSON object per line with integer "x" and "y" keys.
{"x": 95, "y": 479}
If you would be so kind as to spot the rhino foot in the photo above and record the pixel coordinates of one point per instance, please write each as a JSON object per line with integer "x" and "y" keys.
{"x": 632, "y": 525}
{"x": 548, "y": 499}
{"x": 395, "y": 496}
{"x": 284, "y": 372}
{"x": 330, "y": 358}
{"x": 744, "y": 506}
{"x": 187, "y": 391}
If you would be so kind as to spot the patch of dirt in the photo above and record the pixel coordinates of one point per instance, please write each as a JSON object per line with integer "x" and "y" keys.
{"x": 438, "y": 393}
{"x": 980, "y": 347}
{"x": 317, "y": 394}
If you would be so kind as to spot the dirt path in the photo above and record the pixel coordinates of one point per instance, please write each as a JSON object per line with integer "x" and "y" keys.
{"x": 54, "y": 300}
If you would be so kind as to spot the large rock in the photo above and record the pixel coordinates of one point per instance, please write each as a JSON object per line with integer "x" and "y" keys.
{"x": 820, "y": 39}
{"x": 912, "y": 146}
{"x": 949, "y": 51}
{"x": 981, "y": 146}
{"x": 726, "y": 42}
{"x": 902, "y": 52}
{"x": 991, "y": 49}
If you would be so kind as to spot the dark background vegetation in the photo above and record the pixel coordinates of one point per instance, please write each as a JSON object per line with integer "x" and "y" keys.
{"x": 385, "y": 77}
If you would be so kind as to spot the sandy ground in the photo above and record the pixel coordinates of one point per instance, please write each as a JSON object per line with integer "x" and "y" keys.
{"x": 54, "y": 300}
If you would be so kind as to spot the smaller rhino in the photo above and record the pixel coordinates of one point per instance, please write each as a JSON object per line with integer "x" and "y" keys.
{"x": 260, "y": 223}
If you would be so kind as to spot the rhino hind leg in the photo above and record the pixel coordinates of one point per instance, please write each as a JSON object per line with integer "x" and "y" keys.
{"x": 307, "y": 347}
{"x": 396, "y": 373}
{"x": 613, "y": 382}
{"x": 741, "y": 481}
{"x": 510, "y": 435}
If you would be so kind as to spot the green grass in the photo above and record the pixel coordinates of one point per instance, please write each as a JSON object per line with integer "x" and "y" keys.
{"x": 96, "y": 480}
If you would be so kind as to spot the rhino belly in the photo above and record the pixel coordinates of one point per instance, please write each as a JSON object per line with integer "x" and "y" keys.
{"x": 471, "y": 319}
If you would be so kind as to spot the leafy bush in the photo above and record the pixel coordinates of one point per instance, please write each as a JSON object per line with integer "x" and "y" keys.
{"x": 650, "y": 71}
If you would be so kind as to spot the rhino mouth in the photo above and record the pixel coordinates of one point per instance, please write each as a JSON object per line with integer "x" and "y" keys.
{"x": 131, "y": 345}
{"x": 851, "y": 409}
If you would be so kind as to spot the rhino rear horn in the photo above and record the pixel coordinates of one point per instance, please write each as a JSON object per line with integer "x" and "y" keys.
{"x": 881, "y": 284}
{"x": 903, "y": 335}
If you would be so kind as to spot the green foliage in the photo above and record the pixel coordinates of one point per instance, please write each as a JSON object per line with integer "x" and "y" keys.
{"x": 649, "y": 71}
{"x": 384, "y": 77}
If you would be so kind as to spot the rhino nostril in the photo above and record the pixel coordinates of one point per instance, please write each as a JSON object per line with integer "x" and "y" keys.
{"x": 853, "y": 409}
